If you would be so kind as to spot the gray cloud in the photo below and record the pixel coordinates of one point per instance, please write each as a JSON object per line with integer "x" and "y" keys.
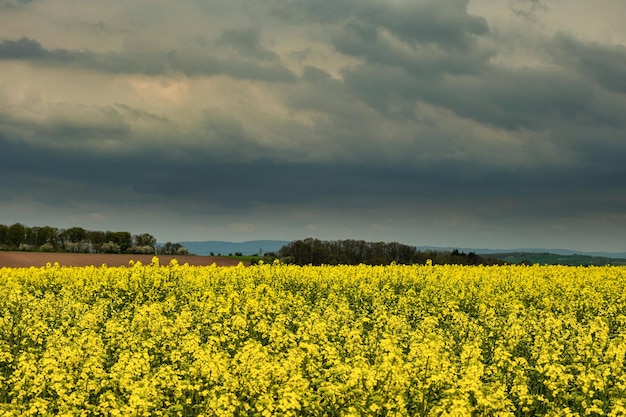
{"x": 23, "y": 48}
{"x": 526, "y": 9}
{"x": 240, "y": 184}
{"x": 247, "y": 42}
{"x": 192, "y": 61}
{"x": 13, "y": 4}
{"x": 449, "y": 120}
{"x": 430, "y": 21}
{"x": 604, "y": 64}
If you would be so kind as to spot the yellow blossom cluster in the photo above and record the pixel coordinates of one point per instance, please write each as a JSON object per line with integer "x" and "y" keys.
{"x": 283, "y": 340}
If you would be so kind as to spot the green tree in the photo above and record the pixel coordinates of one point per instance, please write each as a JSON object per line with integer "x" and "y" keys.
{"x": 74, "y": 239}
{"x": 97, "y": 239}
{"x": 73, "y": 235}
{"x": 16, "y": 234}
{"x": 170, "y": 248}
{"x": 37, "y": 236}
{"x": 4, "y": 229}
{"x": 49, "y": 234}
{"x": 144, "y": 239}
{"x": 123, "y": 239}
{"x": 110, "y": 247}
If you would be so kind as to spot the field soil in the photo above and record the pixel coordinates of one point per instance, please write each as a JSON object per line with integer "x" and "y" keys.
{"x": 37, "y": 259}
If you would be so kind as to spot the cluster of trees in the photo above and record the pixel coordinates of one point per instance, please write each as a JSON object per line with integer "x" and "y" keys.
{"x": 76, "y": 239}
{"x": 353, "y": 252}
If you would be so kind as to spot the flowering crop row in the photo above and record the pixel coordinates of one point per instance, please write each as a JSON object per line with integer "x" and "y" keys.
{"x": 285, "y": 340}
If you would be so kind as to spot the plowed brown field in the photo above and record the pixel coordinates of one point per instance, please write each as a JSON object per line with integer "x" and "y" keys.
{"x": 37, "y": 259}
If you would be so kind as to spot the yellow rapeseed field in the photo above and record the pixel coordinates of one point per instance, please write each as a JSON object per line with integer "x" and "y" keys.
{"x": 280, "y": 340}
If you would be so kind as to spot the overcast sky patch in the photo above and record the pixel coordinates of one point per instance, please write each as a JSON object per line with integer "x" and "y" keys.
{"x": 479, "y": 123}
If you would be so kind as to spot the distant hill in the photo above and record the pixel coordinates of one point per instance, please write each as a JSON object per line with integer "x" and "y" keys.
{"x": 250, "y": 247}
{"x": 531, "y": 255}
{"x": 546, "y": 258}
{"x": 564, "y": 252}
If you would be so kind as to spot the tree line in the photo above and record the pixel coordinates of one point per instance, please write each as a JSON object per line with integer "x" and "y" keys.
{"x": 79, "y": 240}
{"x": 312, "y": 251}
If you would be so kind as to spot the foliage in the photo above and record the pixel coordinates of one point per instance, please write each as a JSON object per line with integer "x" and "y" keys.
{"x": 277, "y": 339}
{"x": 170, "y": 248}
{"x": 79, "y": 240}
{"x": 312, "y": 251}
{"x": 254, "y": 259}
{"x": 530, "y": 258}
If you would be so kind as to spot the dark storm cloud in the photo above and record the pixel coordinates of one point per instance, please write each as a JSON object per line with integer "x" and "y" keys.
{"x": 445, "y": 43}
{"x": 526, "y": 8}
{"x": 202, "y": 178}
{"x": 604, "y": 64}
{"x": 136, "y": 113}
{"x": 486, "y": 112}
{"x": 525, "y": 99}
{"x": 538, "y": 99}
{"x": 193, "y": 61}
{"x": 359, "y": 40}
{"x": 13, "y": 4}
{"x": 248, "y": 43}
{"x": 519, "y": 98}
{"x": 72, "y": 125}
{"x": 436, "y": 37}
{"x": 430, "y": 21}
{"x": 23, "y": 48}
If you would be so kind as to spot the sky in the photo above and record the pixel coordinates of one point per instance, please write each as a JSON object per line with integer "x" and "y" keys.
{"x": 468, "y": 123}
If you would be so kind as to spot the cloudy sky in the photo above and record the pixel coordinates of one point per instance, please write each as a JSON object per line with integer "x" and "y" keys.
{"x": 470, "y": 123}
